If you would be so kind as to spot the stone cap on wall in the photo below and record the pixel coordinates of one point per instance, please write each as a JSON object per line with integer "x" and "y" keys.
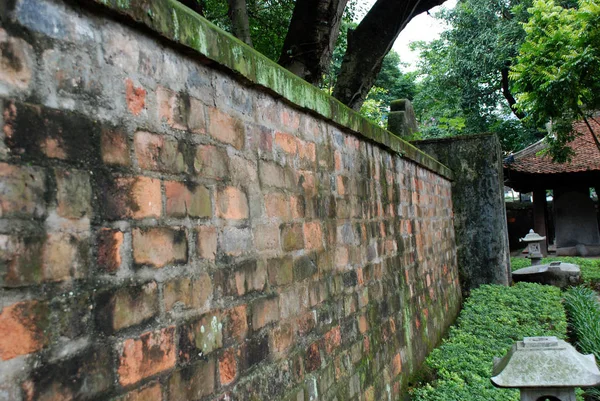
{"x": 178, "y": 23}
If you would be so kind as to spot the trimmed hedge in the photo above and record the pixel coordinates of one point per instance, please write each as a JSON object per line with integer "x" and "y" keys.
{"x": 590, "y": 268}
{"x": 493, "y": 318}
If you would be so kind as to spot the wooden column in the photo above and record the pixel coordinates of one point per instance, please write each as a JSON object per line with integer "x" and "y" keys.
{"x": 540, "y": 216}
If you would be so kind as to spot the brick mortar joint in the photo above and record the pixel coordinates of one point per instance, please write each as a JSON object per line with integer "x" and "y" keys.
{"x": 191, "y": 30}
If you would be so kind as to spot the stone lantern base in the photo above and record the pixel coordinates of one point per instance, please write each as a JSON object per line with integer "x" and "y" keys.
{"x": 552, "y": 394}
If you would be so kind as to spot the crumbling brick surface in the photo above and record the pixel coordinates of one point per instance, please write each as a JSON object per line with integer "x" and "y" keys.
{"x": 169, "y": 232}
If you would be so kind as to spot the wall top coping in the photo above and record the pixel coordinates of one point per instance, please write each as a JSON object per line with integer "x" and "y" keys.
{"x": 178, "y": 23}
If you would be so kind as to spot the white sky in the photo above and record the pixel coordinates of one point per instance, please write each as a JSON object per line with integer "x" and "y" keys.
{"x": 422, "y": 27}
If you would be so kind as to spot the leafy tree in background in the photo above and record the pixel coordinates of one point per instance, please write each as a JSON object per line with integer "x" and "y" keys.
{"x": 557, "y": 72}
{"x": 311, "y": 29}
{"x": 464, "y": 83}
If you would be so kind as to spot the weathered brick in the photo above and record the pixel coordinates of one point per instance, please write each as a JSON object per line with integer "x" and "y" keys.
{"x": 292, "y": 237}
{"x": 64, "y": 256}
{"x": 21, "y": 258}
{"x": 109, "y": 245}
{"x": 152, "y": 392}
{"x": 85, "y": 376}
{"x": 16, "y": 61}
{"x": 165, "y": 99}
{"x": 159, "y": 247}
{"x": 197, "y": 116}
{"x": 282, "y": 338}
{"x": 244, "y": 278}
{"x": 297, "y": 207}
{"x": 193, "y": 382}
{"x": 207, "y": 242}
{"x": 288, "y": 143}
{"x": 211, "y": 162}
{"x": 127, "y": 306}
{"x": 201, "y": 337}
{"x": 157, "y": 152}
{"x": 397, "y": 365}
{"x": 188, "y": 293}
{"x": 135, "y": 97}
{"x": 114, "y": 147}
{"x": 232, "y": 204}
{"x": 267, "y": 237}
{"x": 305, "y": 267}
{"x": 73, "y": 193}
{"x": 186, "y": 199}
{"x": 24, "y": 328}
{"x": 236, "y": 323}
{"x": 234, "y": 241}
{"x": 153, "y": 352}
{"x": 226, "y": 128}
{"x": 307, "y": 151}
{"x": 273, "y": 175}
{"x": 313, "y": 235}
{"x": 280, "y": 271}
{"x": 22, "y": 191}
{"x": 256, "y": 350}
{"x": 277, "y": 205}
{"x": 227, "y": 367}
{"x": 313, "y": 358}
{"x": 333, "y": 339}
{"x": 130, "y": 197}
{"x": 264, "y": 311}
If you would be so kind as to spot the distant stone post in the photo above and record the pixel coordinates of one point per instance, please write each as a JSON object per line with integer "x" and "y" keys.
{"x": 402, "y": 120}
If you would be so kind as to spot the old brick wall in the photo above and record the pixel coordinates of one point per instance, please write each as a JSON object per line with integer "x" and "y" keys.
{"x": 169, "y": 231}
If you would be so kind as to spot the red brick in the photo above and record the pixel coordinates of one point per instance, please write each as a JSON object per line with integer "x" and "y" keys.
{"x": 23, "y": 328}
{"x": 135, "y": 97}
{"x": 313, "y": 235}
{"x": 188, "y": 292}
{"x": 277, "y": 205}
{"x": 363, "y": 324}
{"x": 341, "y": 187}
{"x": 109, "y": 243}
{"x": 158, "y": 153}
{"x": 165, "y": 99}
{"x": 333, "y": 339}
{"x": 187, "y": 200}
{"x": 397, "y": 365}
{"x": 193, "y": 382}
{"x": 159, "y": 247}
{"x": 236, "y": 325}
{"x": 211, "y": 162}
{"x": 127, "y": 306}
{"x": 308, "y": 151}
{"x": 132, "y": 197}
{"x": 313, "y": 358}
{"x": 288, "y": 143}
{"x": 227, "y": 367}
{"x": 232, "y": 204}
{"x": 207, "y": 242}
{"x": 264, "y": 311}
{"x": 150, "y": 393}
{"x": 225, "y": 128}
{"x": 153, "y": 352}
{"x": 22, "y": 191}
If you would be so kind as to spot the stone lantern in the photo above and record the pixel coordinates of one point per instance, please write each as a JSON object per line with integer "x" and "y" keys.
{"x": 533, "y": 244}
{"x": 545, "y": 368}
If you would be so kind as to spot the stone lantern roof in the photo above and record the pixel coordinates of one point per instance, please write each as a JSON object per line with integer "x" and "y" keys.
{"x": 539, "y": 362}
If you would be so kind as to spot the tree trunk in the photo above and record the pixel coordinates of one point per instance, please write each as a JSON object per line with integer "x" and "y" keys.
{"x": 311, "y": 38}
{"x": 508, "y": 96}
{"x": 370, "y": 42}
{"x": 238, "y": 14}
{"x": 194, "y": 5}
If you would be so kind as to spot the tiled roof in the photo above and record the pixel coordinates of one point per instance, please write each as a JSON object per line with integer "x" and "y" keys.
{"x": 586, "y": 158}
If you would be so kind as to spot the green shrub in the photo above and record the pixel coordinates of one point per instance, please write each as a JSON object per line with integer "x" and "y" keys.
{"x": 590, "y": 268}
{"x": 583, "y": 311}
{"x": 493, "y": 318}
